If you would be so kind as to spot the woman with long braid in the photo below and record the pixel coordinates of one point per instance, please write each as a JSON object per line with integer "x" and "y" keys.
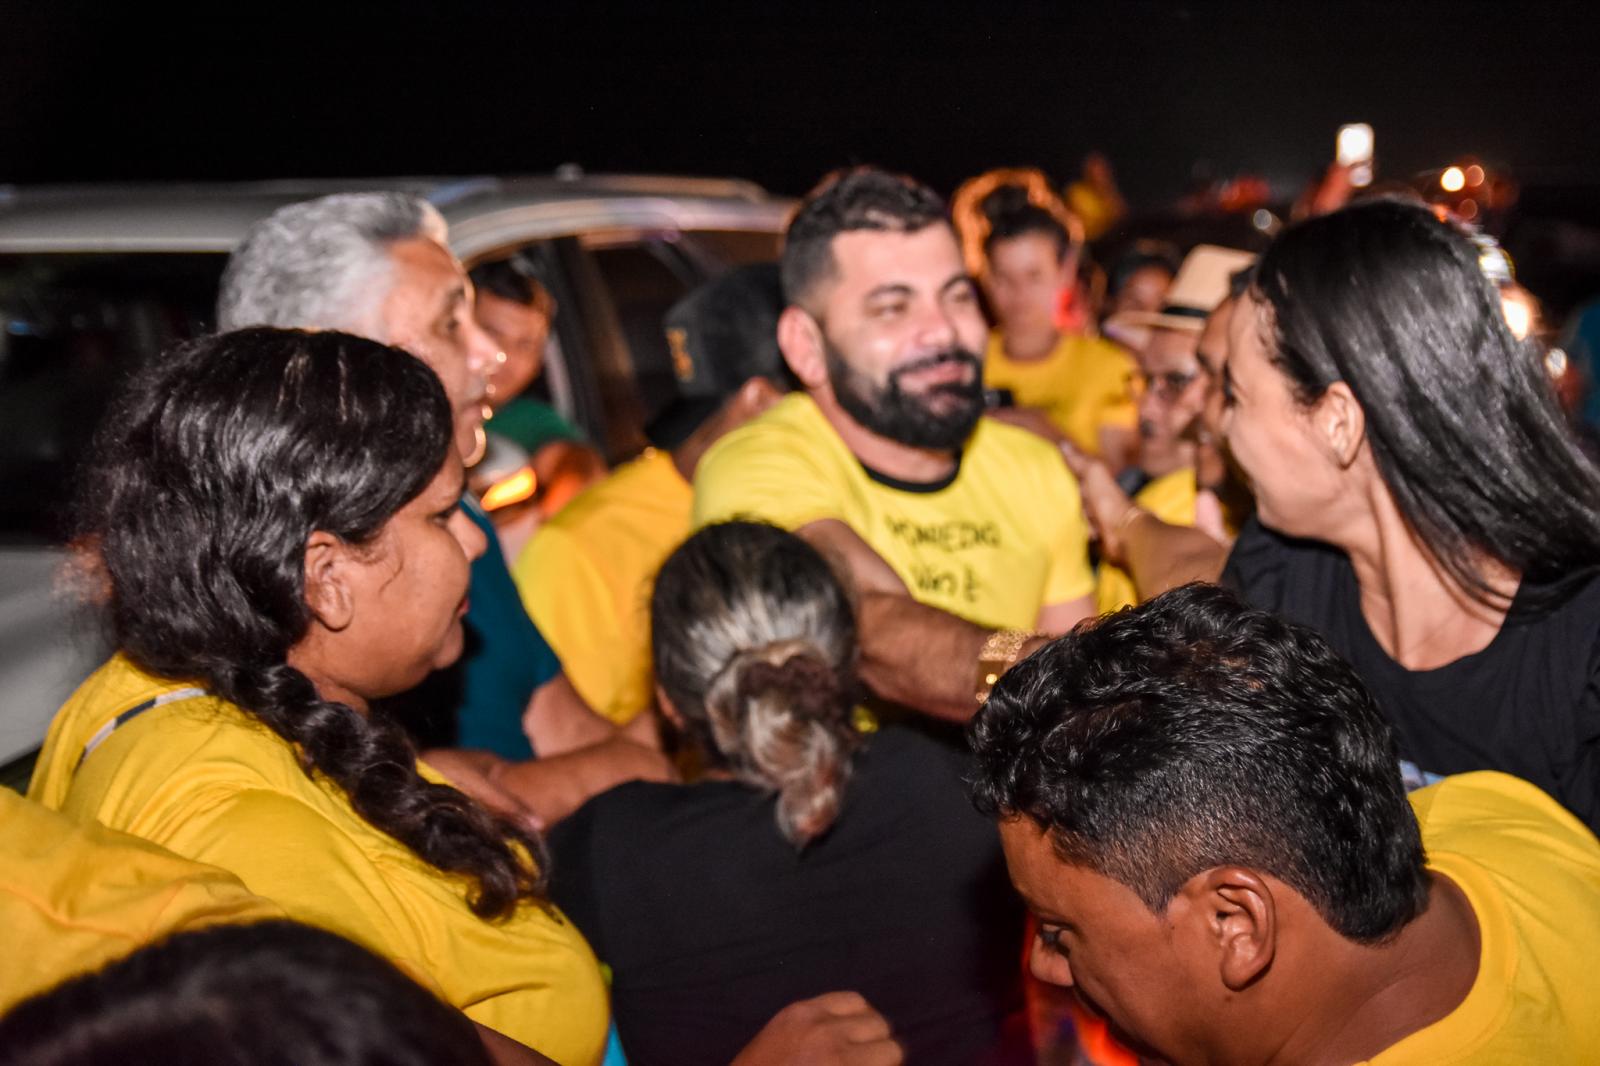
{"x": 273, "y": 523}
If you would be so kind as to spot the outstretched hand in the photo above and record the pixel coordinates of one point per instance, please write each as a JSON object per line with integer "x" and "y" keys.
{"x": 836, "y": 1029}
{"x": 1105, "y": 505}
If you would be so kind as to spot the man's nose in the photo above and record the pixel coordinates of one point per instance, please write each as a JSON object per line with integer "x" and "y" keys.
{"x": 936, "y": 328}
{"x": 482, "y": 352}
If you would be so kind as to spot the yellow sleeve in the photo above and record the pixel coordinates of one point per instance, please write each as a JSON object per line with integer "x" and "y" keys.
{"x": 532, "y": 977}
{"x": 289, "y": 853}
{"x": 764, "y": 476}
{"x": 571, "y": 601}
{"x": 1071, "y": 576}
{"x": 74, "y": 896}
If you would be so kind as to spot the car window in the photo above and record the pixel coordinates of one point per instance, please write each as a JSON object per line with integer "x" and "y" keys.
{"x": 71, "y": 325}
{"x": 647, "y": 274}
{"x": 644, "y": 280}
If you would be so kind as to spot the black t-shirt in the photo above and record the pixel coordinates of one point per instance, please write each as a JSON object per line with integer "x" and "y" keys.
{"x": 1528, "y": 704}
{"x": 712, "y": 922}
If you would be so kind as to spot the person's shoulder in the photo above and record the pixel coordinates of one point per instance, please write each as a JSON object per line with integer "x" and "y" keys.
{"x": 208, "y": 745}
{"x": 615, "y": 834}
{"x": 650, "y": 482}
{"x": 1011, "y": 454}
{"x": 1489, "y": 811}
{"x": 904, "y": 743}
{"x": 1268, "y": 569}
{"x": 793, "y": 420}
{"x": 1570, "y": 603}
{"x": 787, "y": 466}
{"x": 994, "y": 439}
{"x": 128, "y": 724}
{"x": 908, "y": 760}
{"x": 620, "y": 813}
{"x": 1096, "y": 352}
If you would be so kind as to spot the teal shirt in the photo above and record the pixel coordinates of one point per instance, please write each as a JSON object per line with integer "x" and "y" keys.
{"x": 506, "y": 656}
{"x": 532, "y": 424}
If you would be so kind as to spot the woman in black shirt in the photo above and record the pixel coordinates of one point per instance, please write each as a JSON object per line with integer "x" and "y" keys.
{"x": 1420, "y": 499}
{"x": 809, "y": 857}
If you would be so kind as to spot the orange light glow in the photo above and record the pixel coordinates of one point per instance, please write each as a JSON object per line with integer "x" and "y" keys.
{"x": 1452, "y": 180}
{"x": 1475, "y": 175}
{"x": 509, "y": 490}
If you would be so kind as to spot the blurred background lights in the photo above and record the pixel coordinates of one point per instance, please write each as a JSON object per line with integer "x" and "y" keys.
{"x": 1452, "y": 180}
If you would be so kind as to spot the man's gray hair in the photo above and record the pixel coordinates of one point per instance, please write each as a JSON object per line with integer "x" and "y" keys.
{"x": 322, "y": 264}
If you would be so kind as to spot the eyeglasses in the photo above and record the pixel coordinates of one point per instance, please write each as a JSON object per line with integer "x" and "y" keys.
{"x": 1167, "y": 387}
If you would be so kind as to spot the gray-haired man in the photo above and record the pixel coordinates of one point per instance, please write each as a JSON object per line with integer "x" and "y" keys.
{"x": 375, "y": 264}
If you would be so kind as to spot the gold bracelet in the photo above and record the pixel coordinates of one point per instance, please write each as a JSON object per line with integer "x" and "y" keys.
{"x": 999, "y": 654}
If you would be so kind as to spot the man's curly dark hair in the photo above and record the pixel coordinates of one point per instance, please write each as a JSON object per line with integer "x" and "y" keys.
{"x": 1194, "y": 732}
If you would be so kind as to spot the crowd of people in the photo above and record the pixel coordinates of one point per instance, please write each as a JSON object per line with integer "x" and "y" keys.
{"x": 1214, "y": 635}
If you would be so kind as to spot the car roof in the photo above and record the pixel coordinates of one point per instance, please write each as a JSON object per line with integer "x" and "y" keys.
{"x": 483, "y": 212}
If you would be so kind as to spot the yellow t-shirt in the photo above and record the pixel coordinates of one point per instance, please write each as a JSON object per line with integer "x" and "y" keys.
{"x": 585, "y": 578}
{"x": 1082, "y": 384}
{"x": 203, "y": 779}
{"x": 1004, "y": 538}
{"x": 76, "y": 896}
{"x": 1171, "y": 498}
{"x": 1532, "y": 874}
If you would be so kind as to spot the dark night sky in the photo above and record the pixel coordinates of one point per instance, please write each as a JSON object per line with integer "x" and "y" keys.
{"x": 1161, "y": 86}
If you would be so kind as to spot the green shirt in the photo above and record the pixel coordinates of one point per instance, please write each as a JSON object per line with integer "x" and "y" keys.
{"x": 532, "y": 424}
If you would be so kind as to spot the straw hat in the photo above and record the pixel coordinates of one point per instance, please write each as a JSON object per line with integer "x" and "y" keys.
{"x": 1201, "y": 284}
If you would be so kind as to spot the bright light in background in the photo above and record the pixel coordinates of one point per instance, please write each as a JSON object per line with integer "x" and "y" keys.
{"x": 1353, "y": 149}
{"x": 1452, "y": 180}
{"x": 1475, "y": 175}
{"x": 509, "y": 490}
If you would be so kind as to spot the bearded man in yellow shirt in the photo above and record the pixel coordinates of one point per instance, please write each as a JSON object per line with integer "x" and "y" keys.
{"x": 964, "y": 537}
{"x": 1202, "y": 806}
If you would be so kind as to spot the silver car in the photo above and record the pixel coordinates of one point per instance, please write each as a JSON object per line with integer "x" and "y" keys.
{"x": 93, "y": 279}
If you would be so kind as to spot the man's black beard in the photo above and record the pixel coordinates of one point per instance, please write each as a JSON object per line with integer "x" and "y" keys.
{"x": 891, "y": 412}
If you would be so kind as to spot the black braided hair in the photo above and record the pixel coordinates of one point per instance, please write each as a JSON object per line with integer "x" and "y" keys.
{"x": 215, "y": 465}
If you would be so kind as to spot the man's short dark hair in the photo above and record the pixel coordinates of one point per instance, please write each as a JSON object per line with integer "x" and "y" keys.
{"x": 846, "y": 201}
{"x": 1194, "y": 732}
{"x": 505, "y": 279}
{"x": 241, "y": 995}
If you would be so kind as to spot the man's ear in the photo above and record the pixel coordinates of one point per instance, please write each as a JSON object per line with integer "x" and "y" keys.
{"x": 800, "y": 339}
{"x": 328, "y": 591}
{"x": 1237, "y": 918}
{"x": 1341, "y": 424}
